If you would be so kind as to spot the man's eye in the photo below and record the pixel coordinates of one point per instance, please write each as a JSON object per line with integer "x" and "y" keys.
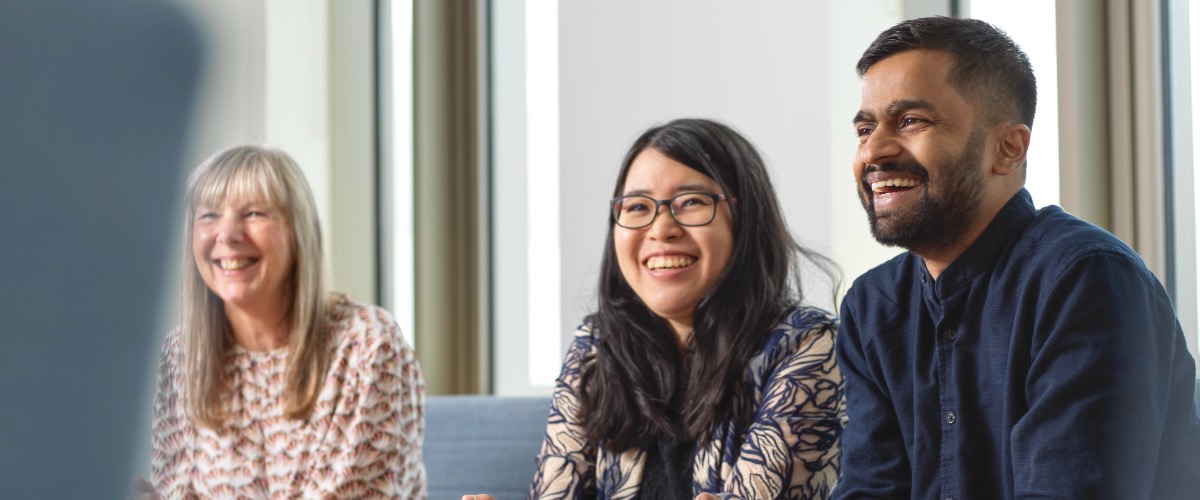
{"x": 863, "y": 131}
{"x": 909, "y": 121}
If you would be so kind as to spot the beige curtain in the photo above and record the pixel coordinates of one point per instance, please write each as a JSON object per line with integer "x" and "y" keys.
{"x": 447, "y": 225}
{"x": 1110, "y": 112}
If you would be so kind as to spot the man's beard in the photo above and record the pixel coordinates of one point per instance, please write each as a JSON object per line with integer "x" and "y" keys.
{"x": 946, "y": 208}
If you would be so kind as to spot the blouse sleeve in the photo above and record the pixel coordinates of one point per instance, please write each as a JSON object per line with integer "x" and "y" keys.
{"x": 169, "y": 460}
{"x": 791, "y": 449}
{"x": 378, "y": 451}
{"x": 566, "y": 462}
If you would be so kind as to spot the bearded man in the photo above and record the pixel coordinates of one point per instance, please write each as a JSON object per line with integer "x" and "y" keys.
{"x": 1010, "y": 352}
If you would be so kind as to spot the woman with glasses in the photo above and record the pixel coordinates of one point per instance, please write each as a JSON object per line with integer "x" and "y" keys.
{"x": 700, "y": 372}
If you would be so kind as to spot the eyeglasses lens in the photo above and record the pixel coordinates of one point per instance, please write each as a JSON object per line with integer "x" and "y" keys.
{"x": 689, "y": 209}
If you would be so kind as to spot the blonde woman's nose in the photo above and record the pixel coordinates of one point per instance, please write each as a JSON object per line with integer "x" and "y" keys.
{"x": 230, "y": 228}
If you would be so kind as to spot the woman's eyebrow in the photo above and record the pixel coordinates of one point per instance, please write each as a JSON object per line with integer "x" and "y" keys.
{"x": 682, "y": 188}
{"x": 685, "y": 188}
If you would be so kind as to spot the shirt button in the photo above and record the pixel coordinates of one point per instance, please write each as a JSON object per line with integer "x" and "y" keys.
{"x": 951, "y": 417}
{"x": 949, "y": 334}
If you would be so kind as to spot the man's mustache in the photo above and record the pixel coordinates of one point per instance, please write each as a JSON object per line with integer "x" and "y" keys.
{"x": 907, "y": 166}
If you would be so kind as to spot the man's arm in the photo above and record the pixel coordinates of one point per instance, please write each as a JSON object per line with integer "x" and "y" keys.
{"x": 874, "y": 460}
{"x": 1097, "y": 387}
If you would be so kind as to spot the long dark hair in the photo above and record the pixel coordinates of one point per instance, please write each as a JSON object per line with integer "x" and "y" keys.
{"x": 638, "y": 386}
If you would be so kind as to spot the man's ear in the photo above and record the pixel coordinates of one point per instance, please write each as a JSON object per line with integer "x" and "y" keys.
{"x": 1011, "y": 147}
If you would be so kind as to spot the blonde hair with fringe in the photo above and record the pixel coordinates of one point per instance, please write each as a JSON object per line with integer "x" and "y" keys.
{"x": 272, "y": 176}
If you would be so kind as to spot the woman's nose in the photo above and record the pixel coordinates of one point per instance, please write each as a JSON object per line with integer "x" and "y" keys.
{"x": 229, "y": 229}
{"x": 664, "y": 226}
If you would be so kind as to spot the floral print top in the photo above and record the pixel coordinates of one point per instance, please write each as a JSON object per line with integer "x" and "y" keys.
{"x": 363, "y": 439}
{"x": 789, "y": 448}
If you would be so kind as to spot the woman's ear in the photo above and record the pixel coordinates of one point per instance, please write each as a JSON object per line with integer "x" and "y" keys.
{"x": 1011, "y": 147}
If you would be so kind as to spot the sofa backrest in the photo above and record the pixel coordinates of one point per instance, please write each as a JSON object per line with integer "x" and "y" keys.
{"x": 482, "y": 444}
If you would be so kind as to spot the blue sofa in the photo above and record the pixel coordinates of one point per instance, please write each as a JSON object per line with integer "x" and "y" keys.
{"x": 482, "y": 444}
{"x": 487, "y": 444}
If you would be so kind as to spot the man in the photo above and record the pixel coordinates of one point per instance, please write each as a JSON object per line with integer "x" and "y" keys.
{"x": 1011, "y": 352}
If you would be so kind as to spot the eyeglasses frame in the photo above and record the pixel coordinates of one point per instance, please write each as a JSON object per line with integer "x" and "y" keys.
{"x": 659, "y": 203}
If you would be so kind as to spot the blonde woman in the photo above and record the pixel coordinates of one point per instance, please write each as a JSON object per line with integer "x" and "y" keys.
{"x": 271, "y": 386}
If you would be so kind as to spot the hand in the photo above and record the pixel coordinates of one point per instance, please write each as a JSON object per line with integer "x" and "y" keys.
{"x": 706, "y": 496}
{"x": 142, "y": 490}
{"x": 478, "y": 497}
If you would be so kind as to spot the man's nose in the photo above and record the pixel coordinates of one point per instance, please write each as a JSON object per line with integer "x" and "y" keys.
{"x": 879, "y": 147}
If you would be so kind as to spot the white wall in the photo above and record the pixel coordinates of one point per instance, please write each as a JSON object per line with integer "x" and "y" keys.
{"x": 781, "y": 72}
{"x": 510, "y": 290}
{"x": 856, "y": 24}
{"x": 267, "y": 79}
{"x": 766, "y": 68}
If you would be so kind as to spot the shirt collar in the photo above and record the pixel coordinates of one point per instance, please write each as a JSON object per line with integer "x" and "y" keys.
{"x": 981, "y": 256}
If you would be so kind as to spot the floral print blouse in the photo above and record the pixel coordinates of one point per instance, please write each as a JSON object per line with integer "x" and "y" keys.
{"x": 790, "y": 447}
{"x": 362, "y": 441}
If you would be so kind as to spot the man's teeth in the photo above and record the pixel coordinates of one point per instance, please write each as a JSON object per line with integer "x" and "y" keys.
{"x": 881, "y": 186}
{"x": 669, "y": 262}
{"x": 235, "y": 264}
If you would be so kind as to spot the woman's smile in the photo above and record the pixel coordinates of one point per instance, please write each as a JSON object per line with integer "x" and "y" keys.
{"x": 243, "y": 252}
{"x": 668, "y": 265}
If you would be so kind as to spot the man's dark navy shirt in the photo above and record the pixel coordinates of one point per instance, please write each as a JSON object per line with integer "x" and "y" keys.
{"x": 1045, "y": 362}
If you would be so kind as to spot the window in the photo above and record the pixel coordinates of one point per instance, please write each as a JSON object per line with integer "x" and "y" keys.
{"x": 1031, "y": 23}
{"x": 526, "y": 244}
{"x": 1181, "y": 45}
{"x": 396, "y": 265}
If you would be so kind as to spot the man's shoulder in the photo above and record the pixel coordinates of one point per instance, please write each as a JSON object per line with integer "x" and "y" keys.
{"x": 1056, "y": 236}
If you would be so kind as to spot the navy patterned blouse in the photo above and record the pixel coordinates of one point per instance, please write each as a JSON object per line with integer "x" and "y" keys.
{"x": 790, "y": 448}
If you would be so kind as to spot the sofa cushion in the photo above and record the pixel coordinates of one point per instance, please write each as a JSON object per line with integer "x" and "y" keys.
{"x": 482, "y": 444}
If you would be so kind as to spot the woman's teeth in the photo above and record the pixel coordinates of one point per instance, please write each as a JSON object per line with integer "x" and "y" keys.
{"x": 669, "y": 262}
{"x": 882, "y": 186}
{"x": 235, "y": 264}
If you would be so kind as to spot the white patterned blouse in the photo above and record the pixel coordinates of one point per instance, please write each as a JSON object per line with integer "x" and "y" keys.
{"x": 790, "y": 448}
{"x": 363, "y": 439}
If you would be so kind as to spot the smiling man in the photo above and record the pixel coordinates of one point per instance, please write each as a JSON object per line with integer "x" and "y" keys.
{"x": 1011, "y": 352}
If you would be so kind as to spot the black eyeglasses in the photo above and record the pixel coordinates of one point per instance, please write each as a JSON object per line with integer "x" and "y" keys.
{"x": 688, "y": 209}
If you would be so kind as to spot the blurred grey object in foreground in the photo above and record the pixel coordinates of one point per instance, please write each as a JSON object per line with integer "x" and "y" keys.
{"x": 94, "y": 104}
